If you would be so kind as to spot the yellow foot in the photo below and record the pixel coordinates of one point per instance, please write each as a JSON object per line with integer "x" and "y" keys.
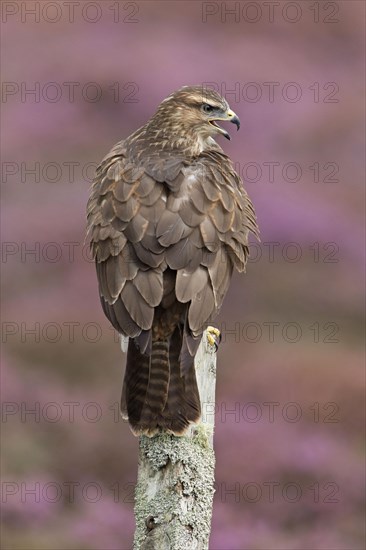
{"x": 213, "y": 337}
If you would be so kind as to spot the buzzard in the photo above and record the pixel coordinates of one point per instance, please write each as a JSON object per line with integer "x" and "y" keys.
{"x": 169, "y": 222}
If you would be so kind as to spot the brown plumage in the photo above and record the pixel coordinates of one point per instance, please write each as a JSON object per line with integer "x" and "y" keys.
{"x": 169, "y": 221}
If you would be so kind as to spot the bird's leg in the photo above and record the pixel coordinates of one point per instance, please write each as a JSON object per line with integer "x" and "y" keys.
{"x": 213, "y": 337}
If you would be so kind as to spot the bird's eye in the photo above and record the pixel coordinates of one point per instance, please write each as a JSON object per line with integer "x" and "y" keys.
{"x": 207, "y": 108}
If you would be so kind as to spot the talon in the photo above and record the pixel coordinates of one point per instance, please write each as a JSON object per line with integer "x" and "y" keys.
{"x": 213, "y": 337}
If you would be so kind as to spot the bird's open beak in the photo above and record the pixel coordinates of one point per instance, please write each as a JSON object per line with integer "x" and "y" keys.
{"x": 229, "y": 116}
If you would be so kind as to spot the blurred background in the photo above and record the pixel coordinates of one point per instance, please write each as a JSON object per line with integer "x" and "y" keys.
{"x": 80, "y": 76}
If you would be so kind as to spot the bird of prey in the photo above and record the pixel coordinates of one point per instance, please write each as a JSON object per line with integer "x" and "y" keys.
{"x": 169, "y": 222}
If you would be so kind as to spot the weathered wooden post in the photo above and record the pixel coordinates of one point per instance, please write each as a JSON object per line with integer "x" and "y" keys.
{"x": 175, "y": 485}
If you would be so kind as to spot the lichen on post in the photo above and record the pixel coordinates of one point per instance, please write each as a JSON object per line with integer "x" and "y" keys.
{"x": 175, "y": 486}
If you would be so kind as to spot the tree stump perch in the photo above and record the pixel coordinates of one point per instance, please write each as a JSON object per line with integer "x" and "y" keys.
{"x": 175, "y": 483}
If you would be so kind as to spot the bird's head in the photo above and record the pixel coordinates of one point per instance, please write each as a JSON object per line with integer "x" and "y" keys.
{"x": 197, "y": 111}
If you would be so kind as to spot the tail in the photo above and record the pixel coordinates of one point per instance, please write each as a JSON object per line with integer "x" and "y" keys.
{"x": 157, "y": 393}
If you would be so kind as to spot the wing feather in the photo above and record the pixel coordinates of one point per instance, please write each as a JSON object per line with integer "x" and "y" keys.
{"x": 138, "y": 308}
{"x": 188, "y": 284}
{"x": 151, "y": 213}
{"x": 150, "y": 286}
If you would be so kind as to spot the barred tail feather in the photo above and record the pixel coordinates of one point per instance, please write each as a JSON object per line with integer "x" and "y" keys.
{"x": 155, "y": 395}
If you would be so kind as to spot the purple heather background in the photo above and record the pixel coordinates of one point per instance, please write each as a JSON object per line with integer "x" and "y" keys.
{"x": 289, "y": 459}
